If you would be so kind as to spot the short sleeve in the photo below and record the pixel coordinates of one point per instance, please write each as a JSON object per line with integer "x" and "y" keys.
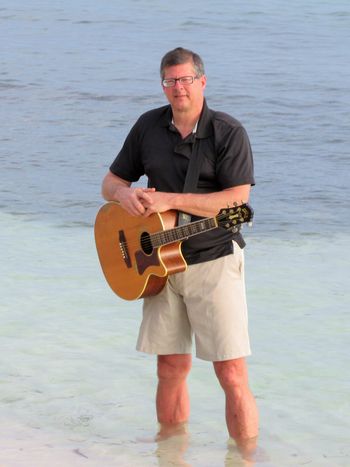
{"x": 128, "y": 163}
{"x": 234, "y": 165}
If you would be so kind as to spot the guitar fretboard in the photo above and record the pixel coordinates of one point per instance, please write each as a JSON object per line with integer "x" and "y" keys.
{"x": 183, "y": 232}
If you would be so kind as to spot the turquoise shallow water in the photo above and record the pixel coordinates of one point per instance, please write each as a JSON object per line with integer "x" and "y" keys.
{"x": 73, "y": 78}
{"x": 75, "y": 392}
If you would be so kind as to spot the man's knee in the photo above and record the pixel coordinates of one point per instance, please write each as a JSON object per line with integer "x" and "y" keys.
{"x": 173, "y": 366}
{"x": 232, "y": 374}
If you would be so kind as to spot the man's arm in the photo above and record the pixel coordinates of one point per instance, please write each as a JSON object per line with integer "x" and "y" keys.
{"x": 204, "y": 205}
{"x": 146, "y": 201}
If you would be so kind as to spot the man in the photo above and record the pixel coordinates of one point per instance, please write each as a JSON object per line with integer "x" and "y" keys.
{"x": 208, "y": 299}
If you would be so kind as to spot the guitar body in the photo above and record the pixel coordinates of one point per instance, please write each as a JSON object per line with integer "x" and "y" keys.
{"x": 137, "y": 254}
{"x": 131, "y": 266}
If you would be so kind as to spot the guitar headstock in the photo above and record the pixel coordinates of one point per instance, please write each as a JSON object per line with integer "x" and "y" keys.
{"x": 230, "y": 218}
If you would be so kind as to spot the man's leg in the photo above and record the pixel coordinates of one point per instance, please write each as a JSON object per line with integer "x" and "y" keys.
{"x": 172, "y": 401}
{"x": 241, "y": 411}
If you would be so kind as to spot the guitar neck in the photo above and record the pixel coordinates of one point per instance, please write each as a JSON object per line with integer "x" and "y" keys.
{"x": 177, "y": 234}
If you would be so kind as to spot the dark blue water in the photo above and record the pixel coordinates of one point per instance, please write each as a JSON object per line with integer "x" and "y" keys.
{"x": 75, "y": 77}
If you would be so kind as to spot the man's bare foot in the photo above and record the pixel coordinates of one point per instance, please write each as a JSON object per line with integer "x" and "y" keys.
{"x": 249, "y": 449}
{"x": 167, "y": 430}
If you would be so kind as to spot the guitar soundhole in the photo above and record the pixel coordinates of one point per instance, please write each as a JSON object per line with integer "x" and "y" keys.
{"x": 146, "y": 243}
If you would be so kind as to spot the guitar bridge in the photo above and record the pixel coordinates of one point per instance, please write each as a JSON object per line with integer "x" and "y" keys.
{"x": 124, "y": 248}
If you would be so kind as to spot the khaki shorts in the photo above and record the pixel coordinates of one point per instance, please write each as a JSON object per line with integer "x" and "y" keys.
{"x": 208, "y": 301}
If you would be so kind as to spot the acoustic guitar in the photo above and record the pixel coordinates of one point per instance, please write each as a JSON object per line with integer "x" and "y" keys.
{"x": 137, "y": 254}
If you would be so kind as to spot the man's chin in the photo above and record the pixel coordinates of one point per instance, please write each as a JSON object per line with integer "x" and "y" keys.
{"x": 181, "y": 105}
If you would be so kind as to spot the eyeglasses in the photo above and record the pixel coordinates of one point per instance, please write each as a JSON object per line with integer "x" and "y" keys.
{"x": 171, "y": 82}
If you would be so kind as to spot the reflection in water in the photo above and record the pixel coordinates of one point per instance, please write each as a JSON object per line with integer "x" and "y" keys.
{"x": 238, "y": 456}
{"x": 246, "y": 453}
{"x": 173, "y": 441}
{"x": 172, "y": 450}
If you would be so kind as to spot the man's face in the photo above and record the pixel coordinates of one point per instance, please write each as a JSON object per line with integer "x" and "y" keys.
{"x": 184, "y": 97}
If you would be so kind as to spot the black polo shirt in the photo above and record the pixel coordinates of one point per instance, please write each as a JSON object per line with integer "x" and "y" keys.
{"x": 156, "y": 149}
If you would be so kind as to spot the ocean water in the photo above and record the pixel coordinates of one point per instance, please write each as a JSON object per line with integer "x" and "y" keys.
{"x": 74, "y": 76}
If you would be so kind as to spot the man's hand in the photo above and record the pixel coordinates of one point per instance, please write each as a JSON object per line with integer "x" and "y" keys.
{"x": 133, "y": 200}
{"x": 155, "y": 201}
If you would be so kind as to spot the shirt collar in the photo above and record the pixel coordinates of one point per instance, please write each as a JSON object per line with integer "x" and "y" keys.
{"x": 194, "y": 131}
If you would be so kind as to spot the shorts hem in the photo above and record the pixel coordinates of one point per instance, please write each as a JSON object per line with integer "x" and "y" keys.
{"x": 200, "y": 356}
{"x": 153, "y": 351}
{"x": 222, "y": 358}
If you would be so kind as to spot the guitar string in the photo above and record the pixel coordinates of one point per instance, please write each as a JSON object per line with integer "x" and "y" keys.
{"x": 154, "y": 237}
{"x": 147, "y": 242}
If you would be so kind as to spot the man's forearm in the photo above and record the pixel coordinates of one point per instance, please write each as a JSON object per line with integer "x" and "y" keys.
{"x": 210, "y": 204}
{"x": 112, "y": 187}
{"x": 204, "y": 205}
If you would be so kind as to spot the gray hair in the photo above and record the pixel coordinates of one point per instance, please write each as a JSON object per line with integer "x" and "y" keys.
{"x": 179, "y": 56}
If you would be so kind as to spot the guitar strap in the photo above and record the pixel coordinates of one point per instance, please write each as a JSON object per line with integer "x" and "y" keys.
{"x": 191, "y": 180}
